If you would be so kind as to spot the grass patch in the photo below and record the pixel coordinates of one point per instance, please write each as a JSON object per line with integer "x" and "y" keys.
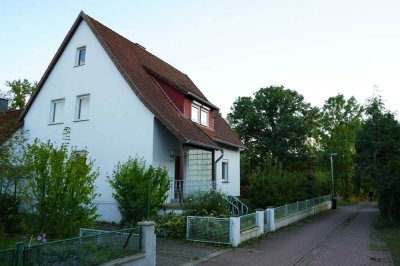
{"x": 390, "y": 234}
{"x": 8, "y": 241}
{"x": 350, "y": 201}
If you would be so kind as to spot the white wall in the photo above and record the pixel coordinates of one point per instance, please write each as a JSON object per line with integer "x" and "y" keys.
{"x": 231, "y": 187}
{"x": 164, "y": 143}
{"x": 119, "y": 124}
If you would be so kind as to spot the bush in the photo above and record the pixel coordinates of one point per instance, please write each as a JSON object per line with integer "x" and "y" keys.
{"x": 139, "y": 191}
{"x": 273, "y": 186}
{"x": 210, "y": 203}
{"x": 171, "y": 225}
{"x": 59, "y": 189}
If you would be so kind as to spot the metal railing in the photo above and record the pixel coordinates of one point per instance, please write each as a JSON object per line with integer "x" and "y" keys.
{"x": 89, "y": 249}
{"x": 208, "y": 229}
{"x": 181, "y": 188}
{"x": 293, "y": 208}
{"x": 236, "y": 207}
{"x": 248, "y": 221}
{"x": 7, "y": 257}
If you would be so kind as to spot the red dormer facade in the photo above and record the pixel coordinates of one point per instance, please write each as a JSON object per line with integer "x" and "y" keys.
{"x": 194, "y": 108}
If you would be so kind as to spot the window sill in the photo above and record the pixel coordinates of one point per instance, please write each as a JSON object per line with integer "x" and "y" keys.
{"x": 55, "y": 123}
{"x": 79, "y": 65}
{"x": 225, "y": 182}
{"x": 81, "y": 120}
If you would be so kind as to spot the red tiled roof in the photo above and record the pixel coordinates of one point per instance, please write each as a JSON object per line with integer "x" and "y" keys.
{"x": 9, "y": 123}
{"x": 134, "y": 62}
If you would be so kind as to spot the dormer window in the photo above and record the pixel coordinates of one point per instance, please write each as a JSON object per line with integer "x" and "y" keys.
{"x": 196, "y": 113}
{"x": 204, "y": 117}
{"x": 200, "y": 114}
{"x": 80, "y": 56}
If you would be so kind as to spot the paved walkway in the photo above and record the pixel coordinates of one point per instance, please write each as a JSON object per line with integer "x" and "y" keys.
{"x": 339, "y": 237}
{"x": 179, "y": 252}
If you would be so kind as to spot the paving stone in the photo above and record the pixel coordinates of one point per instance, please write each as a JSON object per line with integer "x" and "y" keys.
{"x": 344, "y": 236}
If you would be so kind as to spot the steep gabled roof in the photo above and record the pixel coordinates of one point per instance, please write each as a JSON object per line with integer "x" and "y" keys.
{"x": 134, "y": 64}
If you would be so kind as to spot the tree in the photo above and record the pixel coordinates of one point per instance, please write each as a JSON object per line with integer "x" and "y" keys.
{"x": 19, "y": 92}
{"x": 275, "y": 121}
{"x": 339, "y": 123}
{"x": 139, "y": 191}
{"x": 378, "y": 156}
{"x": 60, "y": 188}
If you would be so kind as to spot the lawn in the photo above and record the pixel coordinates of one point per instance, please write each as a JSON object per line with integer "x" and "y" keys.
{"x": 390, "y": 234}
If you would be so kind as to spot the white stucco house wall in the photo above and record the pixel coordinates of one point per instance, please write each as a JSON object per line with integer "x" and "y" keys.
{"x": 120, "y": 100}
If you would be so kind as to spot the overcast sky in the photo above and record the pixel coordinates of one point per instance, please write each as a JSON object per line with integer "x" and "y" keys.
{"x": 229, "y": 48}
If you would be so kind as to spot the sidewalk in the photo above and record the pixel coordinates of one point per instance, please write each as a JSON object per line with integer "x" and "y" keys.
{"x": 339, "y": 237}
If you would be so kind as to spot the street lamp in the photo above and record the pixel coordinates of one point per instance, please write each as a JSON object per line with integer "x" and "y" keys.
{"x": 333, "y": 182}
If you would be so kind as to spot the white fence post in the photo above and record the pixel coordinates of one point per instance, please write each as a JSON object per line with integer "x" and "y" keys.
{"x": 235, "y": 231}
{"x": 260, "y": 222}
{"x": 148, "y": 242}
{"x": 271, "y": 219}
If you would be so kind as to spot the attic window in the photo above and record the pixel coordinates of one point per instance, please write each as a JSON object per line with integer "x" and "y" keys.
{"x": 200, "y": 114}
{"x": 80, "y": 56}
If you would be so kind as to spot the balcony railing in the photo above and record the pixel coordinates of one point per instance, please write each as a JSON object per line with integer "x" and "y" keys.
{"x": 181, "y": 188}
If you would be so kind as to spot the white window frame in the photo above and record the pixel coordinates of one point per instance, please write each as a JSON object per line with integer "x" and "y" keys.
{"x": 225, "y": 179}
{"x": 78, "y": 53}
{"x": 78, "y": 107}
{"x": 201, "y": 108}
{"x": 198, "y": 116}
{"x": 53, "y": 110}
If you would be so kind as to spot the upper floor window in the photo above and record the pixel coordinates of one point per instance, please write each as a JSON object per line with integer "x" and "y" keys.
{"x": 200, "y": 114}
{"x": 82, "y": 107}
{"x": 57, "y": 111}
{"x": 196, "y": 113}
{"x": 80, "y": 56}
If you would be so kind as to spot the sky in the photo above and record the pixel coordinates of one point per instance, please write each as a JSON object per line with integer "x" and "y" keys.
{"x": 229, "y": 48}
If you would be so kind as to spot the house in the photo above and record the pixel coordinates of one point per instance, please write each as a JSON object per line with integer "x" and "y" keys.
{"x": 120, "y": 100}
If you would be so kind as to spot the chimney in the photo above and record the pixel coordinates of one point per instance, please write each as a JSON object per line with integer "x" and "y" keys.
{"x": 3, "y": 105}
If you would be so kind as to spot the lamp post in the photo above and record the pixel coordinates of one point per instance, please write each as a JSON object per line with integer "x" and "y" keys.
{"x": 333, "y": 182}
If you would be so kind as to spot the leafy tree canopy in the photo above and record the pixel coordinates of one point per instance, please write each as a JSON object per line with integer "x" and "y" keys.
{"x": 19, "y": 92}
{"x": 274, "y": 121}
{"x": 339, "y": 122}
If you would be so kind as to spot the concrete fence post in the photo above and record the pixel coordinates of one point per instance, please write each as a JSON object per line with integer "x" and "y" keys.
{"x": 148, "y": 242}
{"x": 297, "y": 206}
{"x": 271, "y": 219}
{"x": 235, "y": 231}
{"x": 286, "y": 210}
{"x": 260, "y": 222}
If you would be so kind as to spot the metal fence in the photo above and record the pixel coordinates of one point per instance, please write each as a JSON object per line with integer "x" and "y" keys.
{"x": 248, "y": 221}
{"x": 208, "y": 229}
{"x": 7, "y": 257}
{"x": 90, "y": 249}
{"x": 290, "y": 209}
{"x": 108, "y": 211}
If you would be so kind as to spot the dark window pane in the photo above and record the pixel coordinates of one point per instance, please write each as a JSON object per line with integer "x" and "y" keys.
{"x": 82, "y": 55}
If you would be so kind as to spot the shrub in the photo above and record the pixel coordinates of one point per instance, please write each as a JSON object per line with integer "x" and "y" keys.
{"x": 209, "y": 203}
{"x": 139, "y": 191}
{"x": 59, "y": 188}
{"x": 171, "y": 225}
{"x": 273, "y": 186}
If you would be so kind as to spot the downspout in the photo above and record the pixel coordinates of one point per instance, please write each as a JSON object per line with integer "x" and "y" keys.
{"x": 215, "y": 167}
